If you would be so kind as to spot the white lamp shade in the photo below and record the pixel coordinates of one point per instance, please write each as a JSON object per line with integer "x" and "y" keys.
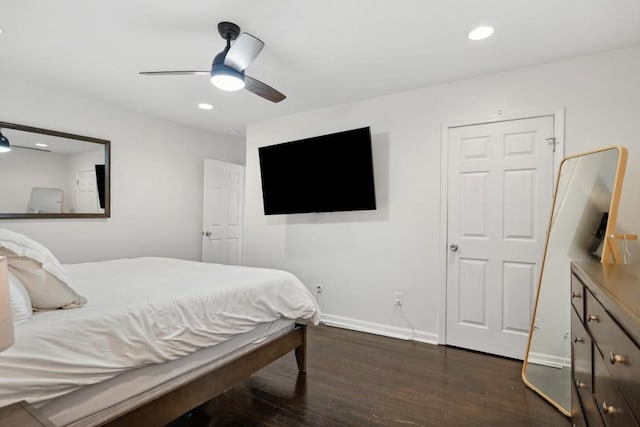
{"x": 6, "y": 316}
{"x": 227, "y": 82}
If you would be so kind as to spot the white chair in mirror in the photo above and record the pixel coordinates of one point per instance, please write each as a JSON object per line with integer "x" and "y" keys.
{"x": 45, "y": 200}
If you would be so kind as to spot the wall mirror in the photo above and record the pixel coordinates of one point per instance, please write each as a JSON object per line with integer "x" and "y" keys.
{"x": 50, "y": 174}
{"x": 584, "y": 212}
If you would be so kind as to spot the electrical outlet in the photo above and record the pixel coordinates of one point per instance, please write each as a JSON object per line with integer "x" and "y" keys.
{"x": 319, "y": 289}
{"x": 397, "y": 299}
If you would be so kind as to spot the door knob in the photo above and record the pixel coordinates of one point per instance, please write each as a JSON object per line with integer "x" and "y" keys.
{"x": 207, "y": 233}
{"x": 453, "y": 247}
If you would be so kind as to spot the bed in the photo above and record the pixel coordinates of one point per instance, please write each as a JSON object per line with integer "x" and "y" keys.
{"x": 155, "y": 338}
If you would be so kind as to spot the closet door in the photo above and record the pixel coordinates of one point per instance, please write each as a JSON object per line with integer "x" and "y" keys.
{"x": 500, "y": 189}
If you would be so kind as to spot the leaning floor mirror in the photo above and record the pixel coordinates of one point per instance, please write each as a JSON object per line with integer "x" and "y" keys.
{"x": 584, "y": 213}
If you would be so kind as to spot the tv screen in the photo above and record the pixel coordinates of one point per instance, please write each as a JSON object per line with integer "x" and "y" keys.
{"x": 321, "y": 174}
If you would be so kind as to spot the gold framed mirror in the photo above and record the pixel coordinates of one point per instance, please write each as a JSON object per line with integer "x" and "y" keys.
{"x": 584, "y": 213}
{"x": 51, "y": 174}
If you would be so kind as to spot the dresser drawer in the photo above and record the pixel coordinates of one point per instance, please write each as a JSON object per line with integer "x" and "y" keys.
{"x": 608, "y": 399}
{"x": 619, "y": 353}
{"x": 581, "y": 357}
{"x": 577, "y": 296}
{"x": 582, "y": 374}
{"x": 577, "y": 416}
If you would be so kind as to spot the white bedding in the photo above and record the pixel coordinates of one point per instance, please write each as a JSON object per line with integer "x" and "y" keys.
{"x": 94, "y": 404}
{"x": 142, "y": 311}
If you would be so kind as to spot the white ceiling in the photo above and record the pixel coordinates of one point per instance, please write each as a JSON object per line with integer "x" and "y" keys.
{"x": 318, "y": 52}
{"x": 54, "y": 144}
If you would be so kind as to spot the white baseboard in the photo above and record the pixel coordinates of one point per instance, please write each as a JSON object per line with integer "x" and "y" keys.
{"x": 549, "y": 360}
{"x": 379, "y": 329}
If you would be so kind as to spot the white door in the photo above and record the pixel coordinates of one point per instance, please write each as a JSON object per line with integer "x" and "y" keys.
{"x": 500, "y": 189}
{"x": 223, "y": 202}
{"x": 87, "y": 192}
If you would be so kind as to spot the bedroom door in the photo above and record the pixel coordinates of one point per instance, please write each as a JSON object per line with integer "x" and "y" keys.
{"x": 500, "y": 189}
{"x": 87, "y": 192}
{"x": 223, "y": 205}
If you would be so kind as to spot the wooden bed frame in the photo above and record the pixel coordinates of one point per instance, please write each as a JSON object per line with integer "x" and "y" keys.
{"x": 174, "y": 403}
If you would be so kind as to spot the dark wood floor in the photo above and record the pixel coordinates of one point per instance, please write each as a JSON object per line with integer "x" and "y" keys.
{"x": 357, "y": 379}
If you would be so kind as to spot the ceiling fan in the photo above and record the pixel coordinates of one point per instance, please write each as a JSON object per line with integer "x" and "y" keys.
{"x": 227, "y": 69}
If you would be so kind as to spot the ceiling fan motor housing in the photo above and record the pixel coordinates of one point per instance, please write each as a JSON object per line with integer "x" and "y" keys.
{"x": 224, "y": 76}
{"x": 218, "y": 67}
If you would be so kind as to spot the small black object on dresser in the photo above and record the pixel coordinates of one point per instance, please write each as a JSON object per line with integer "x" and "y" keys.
{"x": 605, "y": 332}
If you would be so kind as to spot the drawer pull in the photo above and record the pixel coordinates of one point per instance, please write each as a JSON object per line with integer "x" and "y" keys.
{"x": 580, "y": 384}
{"x": 575, "y": 295}
{"x": 593, "y": 318}
{"x": 577, "y": 340}
{"x": 616, "y": 358}
{"x": 608, "y": 409}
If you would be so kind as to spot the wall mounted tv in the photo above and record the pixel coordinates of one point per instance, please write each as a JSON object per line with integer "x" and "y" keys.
{"x": 320, "y": 174}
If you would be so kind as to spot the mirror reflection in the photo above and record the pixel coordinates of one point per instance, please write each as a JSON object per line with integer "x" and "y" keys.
{"x": 53, "y": 174}
{"x": 584, "y": 212}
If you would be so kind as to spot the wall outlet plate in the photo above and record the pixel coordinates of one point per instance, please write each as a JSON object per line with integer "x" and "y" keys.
{"x": 397, "y": 298}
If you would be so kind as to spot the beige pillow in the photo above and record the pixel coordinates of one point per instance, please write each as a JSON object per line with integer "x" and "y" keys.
{"x": 20, "y": 300}
{"x": 39, "y": 271}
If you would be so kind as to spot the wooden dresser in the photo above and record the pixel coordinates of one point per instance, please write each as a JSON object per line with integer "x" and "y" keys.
{"x": 605, "y": 331}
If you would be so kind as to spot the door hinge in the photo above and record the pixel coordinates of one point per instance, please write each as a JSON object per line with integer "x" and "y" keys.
{"x": 553, "y": 142}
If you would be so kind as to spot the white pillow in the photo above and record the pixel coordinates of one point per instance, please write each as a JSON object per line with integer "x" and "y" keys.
{"x": 39, "y": 271}
{"x": 20, "y": 301}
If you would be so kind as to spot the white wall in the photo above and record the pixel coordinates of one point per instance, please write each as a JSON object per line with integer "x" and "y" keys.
{"x": 156, "y": 176}
{"x": 362, "y": 257}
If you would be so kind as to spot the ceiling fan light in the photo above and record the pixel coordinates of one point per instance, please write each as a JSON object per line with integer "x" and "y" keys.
{"x": 227, "y": 82}
{"x": 226, "y": 78}
{"x": 4, "y": 144}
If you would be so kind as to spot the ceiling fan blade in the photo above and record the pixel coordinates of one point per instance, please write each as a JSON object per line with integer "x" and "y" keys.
{"x": 175, "y": 73}
{"x": 243, "y": 52}
{"x": 263, "y": 90}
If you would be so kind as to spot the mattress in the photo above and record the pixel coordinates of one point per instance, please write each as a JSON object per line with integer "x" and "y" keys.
{"x": 91, "y": 404}
{"x": 141, "y": 312}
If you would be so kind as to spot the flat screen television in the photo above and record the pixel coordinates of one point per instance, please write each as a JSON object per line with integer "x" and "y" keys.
{"x": 321, "y": 174}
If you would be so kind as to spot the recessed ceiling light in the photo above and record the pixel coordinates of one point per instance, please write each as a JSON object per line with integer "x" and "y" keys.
{"x": 481, "y": 33}
{"x": 41, "y": 145}
{"x": 0, "y": 30}
{"x": 205, "y": 106}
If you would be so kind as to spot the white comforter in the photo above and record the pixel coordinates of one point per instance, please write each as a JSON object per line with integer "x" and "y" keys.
{"x": 142, "y": 311}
